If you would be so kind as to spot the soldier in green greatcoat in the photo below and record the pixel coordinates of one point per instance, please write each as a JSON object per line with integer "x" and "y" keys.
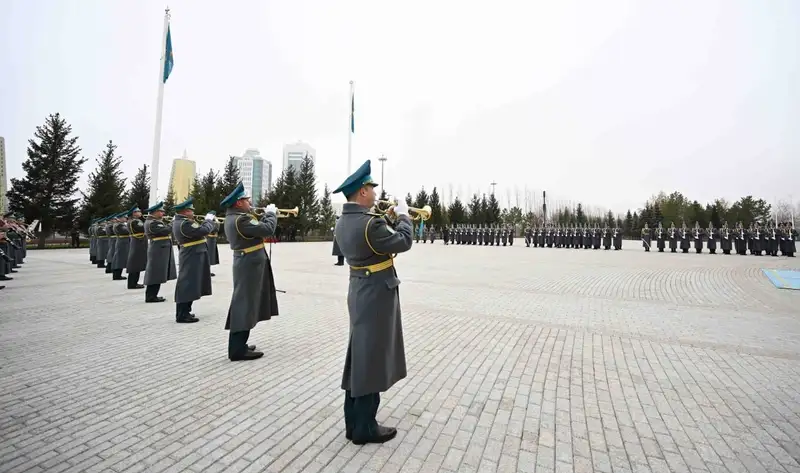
{"x": 254, "y": 296}
{"x": 160, "y": 266}
{"x": 375, "y": 358}
{"x": 194, "y": 270}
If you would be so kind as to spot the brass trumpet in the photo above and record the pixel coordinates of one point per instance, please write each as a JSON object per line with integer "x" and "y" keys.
{"x": 385, "y": 206}
{"x": 202, "y": 218}
{"x": 282, "y": 213}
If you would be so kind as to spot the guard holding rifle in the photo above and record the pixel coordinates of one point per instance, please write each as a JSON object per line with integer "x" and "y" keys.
{"x": 160, "y": 266}
{"x": 375, "y": 353}
{"x": 194, "y": 271}
{"x": 254, "y": 296}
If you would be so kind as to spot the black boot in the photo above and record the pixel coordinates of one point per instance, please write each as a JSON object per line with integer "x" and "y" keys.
{"x": 117, "y": 275}
{"x": 151, "y": 293}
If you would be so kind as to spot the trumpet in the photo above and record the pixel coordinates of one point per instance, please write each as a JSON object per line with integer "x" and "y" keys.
{"x": 282, "y": 213}
{"x": 202, "y": 218}
{"x": 385, "y": 206}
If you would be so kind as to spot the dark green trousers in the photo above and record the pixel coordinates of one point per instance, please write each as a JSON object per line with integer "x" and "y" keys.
{"x": 360, "y": 413}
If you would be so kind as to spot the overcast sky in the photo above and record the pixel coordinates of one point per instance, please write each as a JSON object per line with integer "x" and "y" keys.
{"x": 606, "y": 102}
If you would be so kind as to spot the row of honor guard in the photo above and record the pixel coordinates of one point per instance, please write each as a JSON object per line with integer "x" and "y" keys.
{"x": 254, "y": 294}
{"x": 558, "y": 236}
{"x": 461, "y": 234}
{"x": 767, "y": 241}
{"x": 13, "y": 245}
{"x": 126, "y": 241}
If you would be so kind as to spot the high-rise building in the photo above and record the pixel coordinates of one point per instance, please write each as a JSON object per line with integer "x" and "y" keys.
{"x": 255, "y": 173}
{"x": 294, "y": 154}
{"x": 182, "y": 177}
{"x": 3, "y": 177}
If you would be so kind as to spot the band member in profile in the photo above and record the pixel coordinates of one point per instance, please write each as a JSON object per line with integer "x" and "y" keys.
{"x": 137, "y": 254}
{"x": 194, "y": 270}
{"x": 375, "y": 358}
{"x": 254, "y": 295}
{"x": 160, "y": 266}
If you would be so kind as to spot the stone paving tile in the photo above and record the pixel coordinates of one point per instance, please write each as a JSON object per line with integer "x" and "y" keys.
{"x": 520, "y": 359}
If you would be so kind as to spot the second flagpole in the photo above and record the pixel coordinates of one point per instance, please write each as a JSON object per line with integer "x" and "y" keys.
{"x": 350, "y": 130}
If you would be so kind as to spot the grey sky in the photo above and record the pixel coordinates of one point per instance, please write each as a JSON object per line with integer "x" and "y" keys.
{"x": 606, "y": 102}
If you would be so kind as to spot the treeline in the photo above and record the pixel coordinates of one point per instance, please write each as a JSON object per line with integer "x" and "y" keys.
{"x": 660, "y": 209}
{"x": 49, "y": 191}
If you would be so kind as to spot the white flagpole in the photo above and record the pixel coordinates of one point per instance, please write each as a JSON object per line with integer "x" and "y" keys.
{"x": 159, "y": 107}
{"x": 350, "y": 132}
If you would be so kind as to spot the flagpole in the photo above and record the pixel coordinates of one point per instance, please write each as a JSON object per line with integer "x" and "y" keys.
{"x": 159, "y": 107}
{"x": 350, "y": 131}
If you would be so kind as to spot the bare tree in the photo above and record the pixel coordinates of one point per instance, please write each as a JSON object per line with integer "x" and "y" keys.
{"x": 783, "y": 211}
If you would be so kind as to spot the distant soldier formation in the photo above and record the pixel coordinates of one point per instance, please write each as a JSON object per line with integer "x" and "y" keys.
{"x": 769, "y": 240}
{"x": 481, "y": 234}
{"x": 13, "y": 245}
{"x": 573, "y": 236}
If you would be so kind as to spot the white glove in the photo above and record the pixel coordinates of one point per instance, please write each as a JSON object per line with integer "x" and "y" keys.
{"x": 401, "y": 208}
{"x": 271, "y": 209}
{"x": 210, "y": 217}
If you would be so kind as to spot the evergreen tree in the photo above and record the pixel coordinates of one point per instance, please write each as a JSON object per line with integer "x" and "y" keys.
{"x": 484, "y": 211}
{"x": 308, "y": 217}
{"x": 421, "y": 200}
{"x": 327, "y": 214}
{"x": 628, "y": 225}
{"x": 139, "y": 193}
{"x": 291, "y": 196}
{"x": 106, "y": 187}
{"x": 169, "y": 202}
{"x": 48, "y": 191}
{"x": 229, "y": 180}
{"x": 278, "y": 191}
{"x": 475, "y": 216}
{"x": 619, "y": 223}
{"x": 579, "y": 215}
{"x": 658, "y": 217}
{"x": 262, "y": 201}
{"x": 196, "y": 193}
{"x": 456, "y": 212}
{"x": 493, "y": 211}
{"x": 610, "y": 221}
{"x": 409, "y": 199}
{"x": 636, "y": 225}
{"x": 436, "y": 208}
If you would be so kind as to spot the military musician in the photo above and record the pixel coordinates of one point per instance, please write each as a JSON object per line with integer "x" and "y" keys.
{"x": 112, "y": 243}
{"x": 375, "y": 358}
{"x": 254, "y": 296}
{"x": 137, "y": 253}
{"x": 160, "y": 266}
{"x": 336, "y": 251}
{"x": 194, "y": 270}
{"x": 120, "y": 259}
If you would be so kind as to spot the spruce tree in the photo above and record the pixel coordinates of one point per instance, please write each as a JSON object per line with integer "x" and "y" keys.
{"x": 409, "y": 199}
{"x": 610, "y": 221}
{"x": 210, "y": 192}
{"x": 106, "y": 187}
{"x": 230, "y": 178}
{"x": 475, "y": 210}
{"x": 308, "y": 203}
{"x": 276, "y": 194}
{"x": 48, "y": 192}
{"x": 493, "y": 210}
{"x": 436, "y": 208}
{"x": 139, "y": 193}
{"x": 197, "y": 195}
{"x": 485, "y": 216}
{"x": 627, "y": 229}
{"x": 580, "y": 216}
{"x": 291, "y": 196}
{"x": 456, "y": 212}
{"x": 327, "y": 214}
{"x": 421, "y": 200}
{"x": 169, "y": 202}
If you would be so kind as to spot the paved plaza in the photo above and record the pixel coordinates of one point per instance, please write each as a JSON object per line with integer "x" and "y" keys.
{"x": 519, "y": 359}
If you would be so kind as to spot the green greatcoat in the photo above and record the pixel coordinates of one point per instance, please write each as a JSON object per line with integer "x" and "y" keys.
{"x": 375, "y": 353}
{"x": 254, "y": 296}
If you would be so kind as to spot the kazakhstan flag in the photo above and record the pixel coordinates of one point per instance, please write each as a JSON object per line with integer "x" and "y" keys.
{"x": 168, "y": 61}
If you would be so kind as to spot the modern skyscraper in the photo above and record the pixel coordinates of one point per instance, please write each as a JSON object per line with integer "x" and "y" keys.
{"x": 182, "y": 177}
{"x": 255, "y": 173}
{"x": 294, "y": 154}
{"x": 3, "y": 177}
